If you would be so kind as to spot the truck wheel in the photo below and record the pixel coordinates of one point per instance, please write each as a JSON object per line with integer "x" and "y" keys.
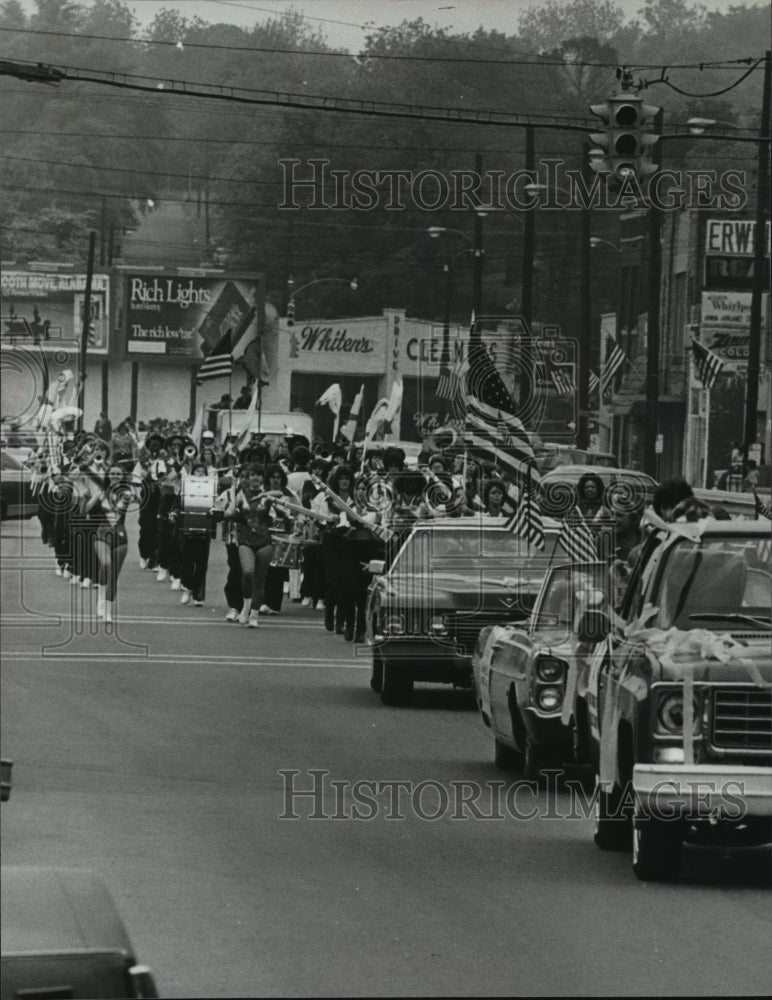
{"x": 376, "y": 674}
{"x": 505, "y": 757}
{"x": 612, "y": 829}
{"x": 657, "y": 847}
{"x": 396, "y": 685}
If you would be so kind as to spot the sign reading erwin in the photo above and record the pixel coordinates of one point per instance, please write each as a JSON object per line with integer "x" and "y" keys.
{"x": 187, "y": 317}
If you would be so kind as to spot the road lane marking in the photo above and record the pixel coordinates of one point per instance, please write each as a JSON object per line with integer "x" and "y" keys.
{"x": 199, "y": 659}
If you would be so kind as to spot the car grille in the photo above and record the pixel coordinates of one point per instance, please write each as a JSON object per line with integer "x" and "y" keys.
{"x": 742, "y": 719}
{"x": 465, "y": 629}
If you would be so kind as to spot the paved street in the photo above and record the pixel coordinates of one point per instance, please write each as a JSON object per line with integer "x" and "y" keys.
{"x": 153, "y": 756}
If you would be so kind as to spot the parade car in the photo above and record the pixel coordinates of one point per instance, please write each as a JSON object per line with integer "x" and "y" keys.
{"x": 678, "y": 704}
{"x": 450, "y": 579}
{"x": 16, "y": 499}
{"x": 523, "y": 674}
{"x": 62, "y": 937}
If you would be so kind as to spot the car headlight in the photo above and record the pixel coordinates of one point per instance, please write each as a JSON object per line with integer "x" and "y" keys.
{"x": 437, "y": 626}
{"x": 550, "y": 669}
{"x": 670, "y": 714}
{"x": 394, "y": 625}
{"x": 549, "y": 698}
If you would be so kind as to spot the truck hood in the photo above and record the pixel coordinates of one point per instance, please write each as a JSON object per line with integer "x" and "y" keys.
{"x": 711, "y": 657}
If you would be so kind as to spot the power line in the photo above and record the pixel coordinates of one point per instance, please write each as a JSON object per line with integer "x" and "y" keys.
{"x": 366, "y": 56}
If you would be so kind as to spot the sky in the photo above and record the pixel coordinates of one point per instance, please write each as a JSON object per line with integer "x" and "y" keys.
{"x": 342, "y": 21}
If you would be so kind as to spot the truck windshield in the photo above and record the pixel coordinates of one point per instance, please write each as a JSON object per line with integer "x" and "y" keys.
{"x": 723, "y": 580}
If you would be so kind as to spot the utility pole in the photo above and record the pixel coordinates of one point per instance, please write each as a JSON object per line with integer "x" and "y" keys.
{"x": 759, "y": 253}
{"x": 86, "y": 325}
{"x": 529, "y": 228}
{"x": 585, "y": 318}
{"x": 652, "y": 324}
{"x": 478, "y": 250}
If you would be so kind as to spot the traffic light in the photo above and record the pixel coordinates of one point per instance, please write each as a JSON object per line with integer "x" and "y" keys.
{"x": 626, "y": 148}
{"x": 291, "y": 312}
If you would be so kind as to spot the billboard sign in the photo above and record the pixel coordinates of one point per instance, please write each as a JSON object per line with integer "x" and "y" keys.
{"x": 725, "y": 326}
{"x": 44, "y": 309}
{"x": 732, "y": 237}
{"x": 184, "y": 316}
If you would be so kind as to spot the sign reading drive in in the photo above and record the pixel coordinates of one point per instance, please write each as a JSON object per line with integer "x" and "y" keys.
{"x": 187, "y": 316}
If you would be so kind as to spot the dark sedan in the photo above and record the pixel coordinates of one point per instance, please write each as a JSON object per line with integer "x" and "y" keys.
{"x": 16, "y": 498}
{"x": 449, "y": 580}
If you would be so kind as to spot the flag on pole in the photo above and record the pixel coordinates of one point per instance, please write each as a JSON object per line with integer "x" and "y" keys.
{"x": 762, "y": 509}
{"x": 219, "y": 364}
{"x": 526, "y": 521}
{"x": 577, "y": 539}
{"x": 614, "y": 362}
{"x": 492, "y": 432}
{"x": 395, "y": 401}
{"x": 563, "y": 381}
{"x": 332, "y": 397}
{"x": 198, "y": 427}
{"x": 377, "y": 417}
{"x": 594, "y": 382}
{"x": 349, "y": 429}
{"x": 707, "y": 363}
{"x": 249, "y": 414}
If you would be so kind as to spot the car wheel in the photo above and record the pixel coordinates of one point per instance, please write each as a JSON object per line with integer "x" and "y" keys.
{"x": 535, "y": 759}
{"x": 376, "y": 674}
{"x": 657, "y": 847}
{"x": 612, "y": 826}
{"x": 396, "y": 684}
{"x": 506, "y": 758}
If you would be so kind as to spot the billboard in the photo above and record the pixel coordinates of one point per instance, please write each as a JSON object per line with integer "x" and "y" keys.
{"x": 725, "y": 326}
{"x": 187, "y": 316}
{"x": 44, "y": 309}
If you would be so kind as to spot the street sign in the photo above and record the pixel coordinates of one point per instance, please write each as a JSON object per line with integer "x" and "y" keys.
{"x": 658, "y": 444}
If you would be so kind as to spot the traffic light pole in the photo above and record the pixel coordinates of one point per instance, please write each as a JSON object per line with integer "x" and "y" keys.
{"x": 652, "y": 326}
{"x": 759, "y": 252}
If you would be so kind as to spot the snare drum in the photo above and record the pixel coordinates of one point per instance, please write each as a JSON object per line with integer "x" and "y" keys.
{"x": 197, "y": 498}
{"x": 287, "y": 552}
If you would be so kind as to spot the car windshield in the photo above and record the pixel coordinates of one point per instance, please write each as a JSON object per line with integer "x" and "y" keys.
{"x": 496, "y": 551}
{"x": 8, "y": 462}
{"x": 567, "y": 584}
{"x": 724, "y": 580}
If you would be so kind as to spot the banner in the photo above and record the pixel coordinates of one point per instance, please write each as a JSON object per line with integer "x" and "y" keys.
{"x": 45, "y": 309}
{"x": 184, "y": 316}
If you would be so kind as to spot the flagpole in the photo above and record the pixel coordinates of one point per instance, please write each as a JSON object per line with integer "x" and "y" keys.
{"x": 706, "y": 437}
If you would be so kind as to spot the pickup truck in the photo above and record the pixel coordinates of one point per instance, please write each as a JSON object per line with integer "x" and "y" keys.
{"x": 677, "y": 708}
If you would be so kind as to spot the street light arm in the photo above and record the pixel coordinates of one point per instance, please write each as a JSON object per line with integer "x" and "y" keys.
{"x": 353, "y": 285}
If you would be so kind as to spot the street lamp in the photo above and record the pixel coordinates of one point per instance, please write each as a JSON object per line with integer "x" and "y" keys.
{"x": 697, "y": 126}
{"x": 595, "y": 241}
{"x": 293, "y": 292}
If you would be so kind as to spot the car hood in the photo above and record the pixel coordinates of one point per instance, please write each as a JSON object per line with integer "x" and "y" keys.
{"x": 463, "y": 592}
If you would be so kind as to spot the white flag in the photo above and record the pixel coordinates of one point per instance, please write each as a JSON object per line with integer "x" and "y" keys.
{"x": 332, "y": 397}
{"x": 349, "y": 429}
{"x": 377, "y": 417}
{"x": 249, "y": 414}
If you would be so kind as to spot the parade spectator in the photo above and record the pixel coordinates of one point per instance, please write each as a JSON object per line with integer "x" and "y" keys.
{"x": 244, "y": 398}
{"x": 103, "y": 428}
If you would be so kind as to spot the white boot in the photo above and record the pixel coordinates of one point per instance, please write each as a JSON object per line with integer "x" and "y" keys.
{"x": 176, "y": 584}
{"x": 66, "y": 573}
{"x": 245, "y": 611}
{"x": 101, "y": 601}
{"x": 185, "y": 599}
{"x": 108, "y": 612}
{"x": 163, "y": 574}
{"x": 74, "y": 580}
{"x": 142, "y": 563}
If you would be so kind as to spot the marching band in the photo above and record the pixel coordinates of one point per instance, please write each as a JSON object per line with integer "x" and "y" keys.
{"x": 307, "y": 524}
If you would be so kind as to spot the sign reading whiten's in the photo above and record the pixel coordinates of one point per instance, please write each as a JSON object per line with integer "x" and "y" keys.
{"x": 189, "y": 317}
{"x": 356, "y": 346}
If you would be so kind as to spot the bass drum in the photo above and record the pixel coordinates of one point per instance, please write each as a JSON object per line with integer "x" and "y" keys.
{"x": 287, "y": 552}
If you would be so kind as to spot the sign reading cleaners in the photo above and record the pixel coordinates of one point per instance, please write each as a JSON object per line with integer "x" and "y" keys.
{"x": 187, "y": 316}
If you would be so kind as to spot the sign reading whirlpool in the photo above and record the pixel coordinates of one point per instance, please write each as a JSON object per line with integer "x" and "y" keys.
{"x": 45, "y": 309}
{"x": 725, "y": 326}
{"x": 187, "y": 316}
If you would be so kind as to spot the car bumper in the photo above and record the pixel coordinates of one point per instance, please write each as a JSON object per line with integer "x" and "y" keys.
{"x": 547, "y": 730}
{"x": 425, "y": 659}
{"x": 702, "y": 791}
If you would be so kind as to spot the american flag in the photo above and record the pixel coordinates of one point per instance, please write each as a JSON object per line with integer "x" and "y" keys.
{"x": 219, "y": 364}
{"x": 762, "y": 509}
{"x": 493, "y": 433}
{"x": 526, "y": 521}
{"x": 594, "y": 382}
{"x": 563, "y": 380}
{"x": 614, "y": 362}
{"x": 707, "y": 363}
{"x": 577, "y": 539}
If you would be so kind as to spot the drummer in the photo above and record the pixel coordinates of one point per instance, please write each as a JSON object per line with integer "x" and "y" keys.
{"x": 278, "y": 575}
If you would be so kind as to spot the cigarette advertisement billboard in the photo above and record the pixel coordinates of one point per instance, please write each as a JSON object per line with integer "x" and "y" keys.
{"x": 189, "y": 317}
